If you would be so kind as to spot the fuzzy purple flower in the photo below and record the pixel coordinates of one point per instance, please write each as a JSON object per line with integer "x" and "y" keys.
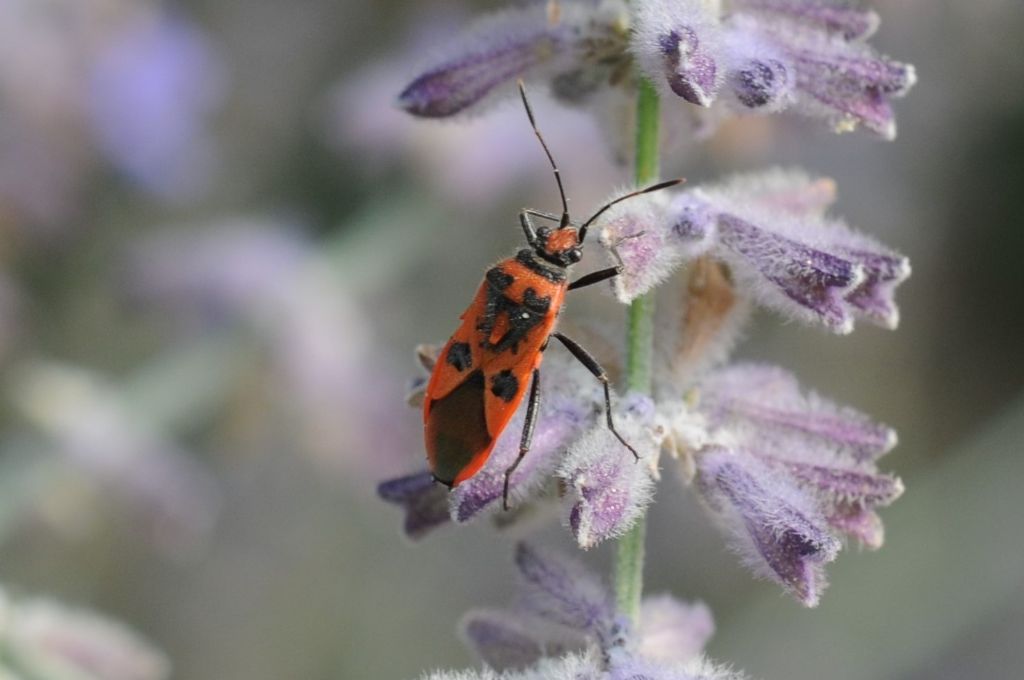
{"x": 679, "y": 41}
{"x": 769, "y": 55}
{"x": 609, "y": 487}
{"x": 563, "y": 624}
{"x": 424, "y": 501}
{"x": 568, "y": 48}
{"x": 753, "y": 56}
{"x": 846, "y": 18}
{"x": 770, "y": 230}
{"x": 762, "y": 404}
{"x": 790, "y": 473}
{"x": 777, "y": 530}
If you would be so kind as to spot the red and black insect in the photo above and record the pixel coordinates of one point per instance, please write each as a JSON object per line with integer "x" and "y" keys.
{"x": 481, "y": 373}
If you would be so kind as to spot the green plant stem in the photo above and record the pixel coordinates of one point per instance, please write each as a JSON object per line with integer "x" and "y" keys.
{"x": 629, "y": 557}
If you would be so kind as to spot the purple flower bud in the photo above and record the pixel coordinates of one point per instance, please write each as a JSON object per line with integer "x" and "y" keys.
{"x": 793, "y": 52}
{"x": 677, "y": 44}
{"x": 610, "y": 487}
{"x": 873, "y": 298}
{"x": 560, "y": 590}
{"x": 690, "y": 70}
{"x": 673, "y": 631}
{"x": 760, "y": 83}
{"x": 520, "y": 42}
{"x": 762, "y": 405}
{"x": 783, "y": 271}
{"x": 848, "y": 497}
{"x": 425, "y": 502}
{"x": 775, "y": 526}
{"x": 850, "y": 84}
{"x": 506, "y": 639}
{"x": 635, "y": 234}
{"x": 843, "y": 18}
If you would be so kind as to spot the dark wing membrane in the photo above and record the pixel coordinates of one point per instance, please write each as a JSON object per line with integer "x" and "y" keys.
{"x": 456, "y": 431}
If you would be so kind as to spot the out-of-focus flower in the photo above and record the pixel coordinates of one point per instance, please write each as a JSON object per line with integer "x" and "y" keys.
{"x": 563, "y": 624}
{"x": 261, "y": 273}
{"x": 757, "y": 56}
{"x": 786, "y": 474}
{"x": 87, "y": 82}
{"x": 95, "y": 431}
{"x": 771, "y": 232}
{"x": 44, "y": 639}
{"x": 152, "y": 90}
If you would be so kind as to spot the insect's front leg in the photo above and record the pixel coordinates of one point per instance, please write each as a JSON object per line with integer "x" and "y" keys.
{"x": 590, "y": 362}
{"x": 527, "y": 439}
{"x": 595, "y": 277}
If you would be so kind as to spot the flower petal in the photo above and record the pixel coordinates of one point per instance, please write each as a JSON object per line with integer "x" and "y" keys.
{"x": 505, "y": 639}
{"x": 609, "y": 487}
{"x": 673, "y": 631}
{"x": 677, "y": 45}
{"x": 775, "y": 526}
{"x": 425, "y": 502}
{"x": 844, "y": 18}
{"x": 762, "y": 405}
{"x": 560, "y": 590}
{"x": 791, "y": 276}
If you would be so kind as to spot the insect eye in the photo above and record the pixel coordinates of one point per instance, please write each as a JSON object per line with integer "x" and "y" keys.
{"x": 544, "y": 233}
{"x": 575, "y": 255}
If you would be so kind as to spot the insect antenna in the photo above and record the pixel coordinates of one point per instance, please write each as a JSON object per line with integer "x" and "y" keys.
{"x": 654, "y": 187}
{"x": 558, "y": 176}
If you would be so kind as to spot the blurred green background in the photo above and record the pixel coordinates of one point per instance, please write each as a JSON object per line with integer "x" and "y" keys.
{"x": 219, "y": 245}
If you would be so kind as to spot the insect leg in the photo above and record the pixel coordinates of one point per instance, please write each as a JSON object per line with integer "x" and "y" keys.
{"x": 595, "y": 277}
{"x": 590, "y": 362}
{"x": 524, "y": 443}
{"x": 547, "y": 216}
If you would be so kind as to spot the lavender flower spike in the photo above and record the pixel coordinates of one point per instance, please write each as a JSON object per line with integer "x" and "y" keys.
{"x": 610, "y": 487}
{"x": 677, "y": 44}
{"x": 771, "y": 230}
{"x": 529, "y": 42}
{"x": 775, "y": 527}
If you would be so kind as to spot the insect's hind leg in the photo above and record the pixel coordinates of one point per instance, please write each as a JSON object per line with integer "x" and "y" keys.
{"x": 527, "y": 439}
{"x": 590, "y": 362}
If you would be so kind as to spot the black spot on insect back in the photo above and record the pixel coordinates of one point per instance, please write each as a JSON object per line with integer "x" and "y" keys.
{"x": 498, "y": 278}
{"x": 459, "y": 356}
{"x": 504, "y": 385}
